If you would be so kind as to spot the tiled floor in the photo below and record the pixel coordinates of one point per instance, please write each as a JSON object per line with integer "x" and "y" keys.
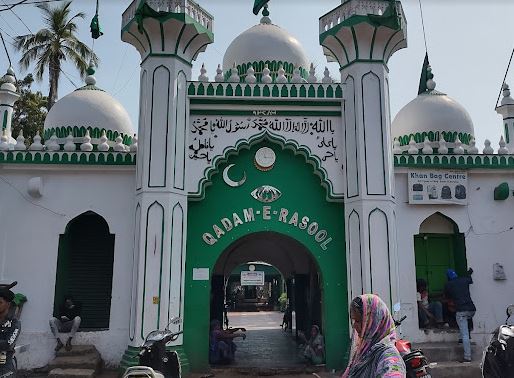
{"x": 266, "y": 343}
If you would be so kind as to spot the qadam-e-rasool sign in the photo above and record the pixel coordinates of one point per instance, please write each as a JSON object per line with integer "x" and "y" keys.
{"x": 268, "y": 214}
{"x": 438, "y": 187}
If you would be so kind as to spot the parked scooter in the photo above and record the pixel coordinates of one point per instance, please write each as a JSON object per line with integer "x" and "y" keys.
{"x": 498, "y": 357}
{"x": 415, "y": 361}
{"x": 154, "y": 360}
{"x": 10, "y": 330}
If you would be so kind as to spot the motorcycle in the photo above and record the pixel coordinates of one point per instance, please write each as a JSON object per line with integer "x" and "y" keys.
{"x": 415, "y": 361}
{"x": 8, "y": 362}
{"x": 498, "y": 357}
{"x": 154, "y": 360}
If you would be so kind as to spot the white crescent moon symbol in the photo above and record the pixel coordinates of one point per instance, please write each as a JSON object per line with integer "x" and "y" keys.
{"x": 231, "y": 183}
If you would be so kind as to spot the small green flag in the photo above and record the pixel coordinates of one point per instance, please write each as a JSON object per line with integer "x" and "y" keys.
{"x": 96, "y": 29}
{"x": 258, "y": 5}
{"x": 390, "y": 18}
{"x": 425, "y": 76}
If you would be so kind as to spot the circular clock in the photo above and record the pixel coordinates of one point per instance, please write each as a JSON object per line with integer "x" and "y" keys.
{"x": 265, "y": 158}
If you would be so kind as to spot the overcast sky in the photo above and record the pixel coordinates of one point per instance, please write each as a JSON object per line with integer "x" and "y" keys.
{"x": 469, "y": 44}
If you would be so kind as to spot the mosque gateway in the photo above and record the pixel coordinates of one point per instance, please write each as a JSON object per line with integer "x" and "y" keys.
{"x": 270, "y": 165}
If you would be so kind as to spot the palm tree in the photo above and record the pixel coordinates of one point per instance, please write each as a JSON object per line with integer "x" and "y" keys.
{"x": 52, "y": 45}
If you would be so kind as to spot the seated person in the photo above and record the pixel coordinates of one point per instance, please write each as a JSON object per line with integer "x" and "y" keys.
{"x": 67, "y": 320}
{"x": 314, "y": 350}
{"x": 222, "y": 348}
{"x": 427, "y": 311}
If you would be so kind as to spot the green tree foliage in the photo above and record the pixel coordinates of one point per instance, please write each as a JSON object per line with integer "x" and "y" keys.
{"x": 55, "y": 43}
{"x": 29, "y": 111}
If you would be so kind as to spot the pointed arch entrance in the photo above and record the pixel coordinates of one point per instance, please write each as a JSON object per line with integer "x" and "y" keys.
{"x": 291, "y": 226}
{"x": 303, "y": 283}
{"x": 439, "y": 246}
{"x": 85, "y": 268}
{"x": 292, "y": 259}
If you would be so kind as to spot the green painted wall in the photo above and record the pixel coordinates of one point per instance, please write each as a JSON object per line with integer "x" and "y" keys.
{"x": 301, "y": 192}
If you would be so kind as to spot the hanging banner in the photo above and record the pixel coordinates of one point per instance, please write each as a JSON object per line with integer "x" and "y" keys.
{"x": 252, "y": 278}
{"x": 430, "y": 187}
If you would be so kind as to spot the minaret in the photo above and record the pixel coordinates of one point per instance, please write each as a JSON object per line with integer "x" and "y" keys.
{"x": 169, "y": 35}
{"x": 361, "y": 36}
{"x": 506, "y": 110}
{"x": 8, "y": 96}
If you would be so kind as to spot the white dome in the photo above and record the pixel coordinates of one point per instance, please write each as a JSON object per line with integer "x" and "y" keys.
{"x": 432, "y": 111}
{"x": 265, "y": 42}
{"x": 89, "y": 107}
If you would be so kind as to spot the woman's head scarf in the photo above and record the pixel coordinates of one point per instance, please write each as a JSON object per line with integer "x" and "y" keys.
{"x": 378, "y": 330}
{"x": 451, "y": 275}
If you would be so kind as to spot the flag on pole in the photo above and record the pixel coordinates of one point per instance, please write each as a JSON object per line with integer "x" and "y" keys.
{"x": 96, "y": 29}
{"x": 258, "y": 5}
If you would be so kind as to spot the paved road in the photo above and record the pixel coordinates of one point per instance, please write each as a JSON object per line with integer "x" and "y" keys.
{"x": 266, "y": 342}
{"x": 267, "y": 350}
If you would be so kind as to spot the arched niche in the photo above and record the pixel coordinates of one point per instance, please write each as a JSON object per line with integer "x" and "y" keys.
{"x": 85, "y": 268}
{"x": 438, "y": 247}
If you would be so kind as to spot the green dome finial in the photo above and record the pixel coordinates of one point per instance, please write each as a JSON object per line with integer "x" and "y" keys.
{"x": 265, "y": 16}
{"x": 90, "y": 78}
{"x": 91, "y": 69}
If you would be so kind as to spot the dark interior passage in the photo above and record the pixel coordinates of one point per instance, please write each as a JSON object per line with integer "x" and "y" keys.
{"x": 85, "y": 268}
{"x": 291, "y": 282}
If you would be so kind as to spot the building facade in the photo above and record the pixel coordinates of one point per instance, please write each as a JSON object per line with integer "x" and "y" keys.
{"x": 267, "y": 162}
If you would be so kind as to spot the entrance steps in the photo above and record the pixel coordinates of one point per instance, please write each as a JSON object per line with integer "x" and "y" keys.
{"x": 83, "y": 361}
{"x": 266, "y": 371}
{"x": 446, "y": 356}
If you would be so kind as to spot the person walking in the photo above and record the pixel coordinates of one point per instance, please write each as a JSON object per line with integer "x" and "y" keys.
{"x": 373, "y": 352}
{"x": 457, "y": 289}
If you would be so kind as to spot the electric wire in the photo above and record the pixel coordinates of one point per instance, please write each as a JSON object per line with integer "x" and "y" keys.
{"x": 28, "y": 200}
{"x": 19, "y": 18}
{"x": 423, "y": 25}
{"x": 69, "y": 79}
{"x": 130, "y": 79}
{"x": 7, "y": 34}
{"x": 504, "y": 78}
{"x": 6, "y": 23}
{"x": 11, "y": 6}
{"x": 6, "y": 51}
{"x": 122, "y": 61}
{"x": 32, "y": 2}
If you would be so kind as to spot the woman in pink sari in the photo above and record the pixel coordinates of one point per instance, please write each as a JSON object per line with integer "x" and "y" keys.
{"x": 373, "y": 353}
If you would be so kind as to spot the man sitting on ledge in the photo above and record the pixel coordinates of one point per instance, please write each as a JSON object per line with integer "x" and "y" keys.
{"x": 67, "y": 320}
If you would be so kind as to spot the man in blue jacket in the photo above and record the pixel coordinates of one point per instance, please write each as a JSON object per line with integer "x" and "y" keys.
{"x": 9, "y": 332}
{"x": 457, "y": 289}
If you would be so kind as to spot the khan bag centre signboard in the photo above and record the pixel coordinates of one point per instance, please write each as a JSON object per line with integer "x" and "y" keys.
{"x": 429, "y": 187}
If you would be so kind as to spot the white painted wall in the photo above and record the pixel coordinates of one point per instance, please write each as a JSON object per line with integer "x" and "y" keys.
{"x": 29, "y": 237}
{"x": 489, "y": 229}
{"x": 436, "y": 224}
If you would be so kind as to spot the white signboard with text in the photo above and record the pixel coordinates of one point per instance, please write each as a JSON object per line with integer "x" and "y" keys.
{"x": 252, "y": 278}
{"x": 430, "y": 187}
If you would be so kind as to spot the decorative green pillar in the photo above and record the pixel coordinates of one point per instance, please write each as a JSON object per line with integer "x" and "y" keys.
{"x": 169, "y": 35}
{"x": 362, "y": 36}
